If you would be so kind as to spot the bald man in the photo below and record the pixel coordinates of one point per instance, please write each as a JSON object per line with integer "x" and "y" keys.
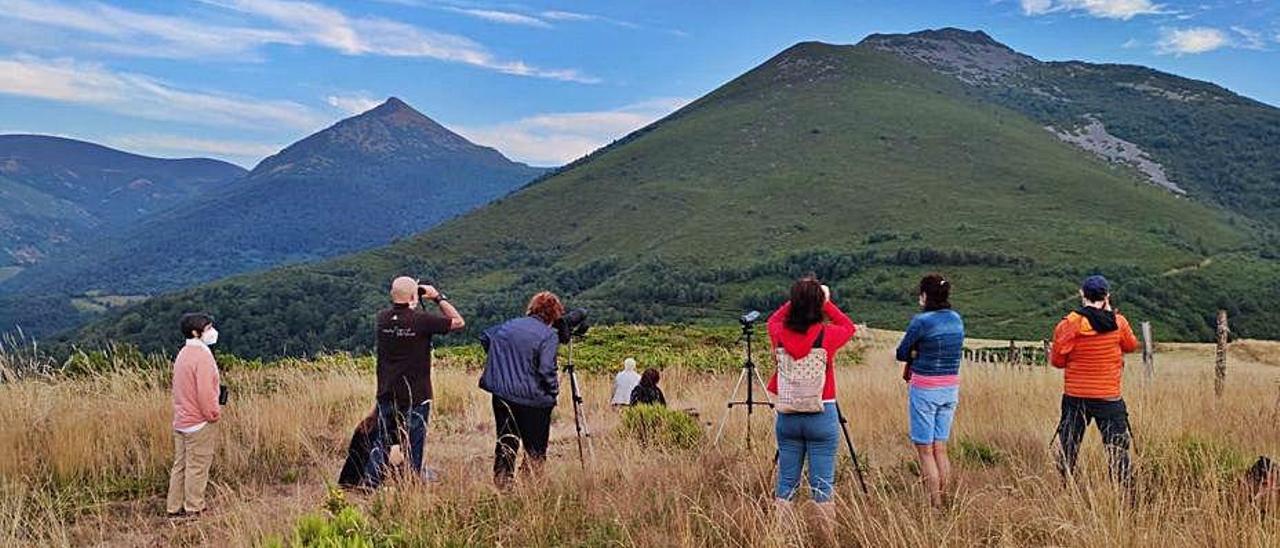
{"x": 404, "y": 371}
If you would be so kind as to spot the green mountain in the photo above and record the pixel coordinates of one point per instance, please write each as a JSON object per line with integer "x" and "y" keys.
{"x": 860, "y": 163}
{"x": 56, "y": 192}
{"x": 363, "y": 182}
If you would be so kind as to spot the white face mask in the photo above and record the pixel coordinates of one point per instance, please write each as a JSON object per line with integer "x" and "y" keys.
{"x": 209, "y": 337}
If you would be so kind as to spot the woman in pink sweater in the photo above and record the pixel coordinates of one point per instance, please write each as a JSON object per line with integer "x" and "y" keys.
{"x": 196, "y": 410}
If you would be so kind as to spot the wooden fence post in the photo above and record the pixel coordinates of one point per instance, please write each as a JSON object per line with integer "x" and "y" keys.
{"x": 1220, "y": 366}
{"x": 1148, "y": 351}
{"x": 1013, "y": 353}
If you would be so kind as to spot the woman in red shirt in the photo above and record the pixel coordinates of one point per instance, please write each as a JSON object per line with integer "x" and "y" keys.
{"x": 797, "y": 329}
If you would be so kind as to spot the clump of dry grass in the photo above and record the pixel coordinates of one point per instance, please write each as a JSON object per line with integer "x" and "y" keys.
{"x": 87, "y": 460}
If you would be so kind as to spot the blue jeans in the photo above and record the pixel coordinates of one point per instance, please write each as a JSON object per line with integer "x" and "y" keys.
{"x": 812, "y": 435}
{"x": 931, "y": 411}
{"x": 392, "y": 425}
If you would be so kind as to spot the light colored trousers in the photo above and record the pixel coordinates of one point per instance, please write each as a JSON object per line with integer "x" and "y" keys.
{"x": 192, "y": 455}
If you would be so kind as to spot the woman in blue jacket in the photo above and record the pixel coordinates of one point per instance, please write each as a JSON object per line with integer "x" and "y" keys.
{"x": 932, "y": 349}
{"x": 520, "y": 372}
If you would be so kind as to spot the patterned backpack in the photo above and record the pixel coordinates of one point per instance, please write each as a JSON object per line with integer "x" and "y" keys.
{"x": 800, "y": 380}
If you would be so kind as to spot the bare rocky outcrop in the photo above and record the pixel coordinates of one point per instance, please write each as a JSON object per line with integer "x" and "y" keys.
{"x": 971, "y": 56}
{"x": 1094, "y": 138}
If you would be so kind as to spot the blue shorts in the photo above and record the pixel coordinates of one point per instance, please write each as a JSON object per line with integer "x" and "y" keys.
{"x": 931, "y": 411}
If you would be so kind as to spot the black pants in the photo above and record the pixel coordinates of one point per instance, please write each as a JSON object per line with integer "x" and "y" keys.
{"x": 1113, "y": 422}
{"x": 519, "y": 425}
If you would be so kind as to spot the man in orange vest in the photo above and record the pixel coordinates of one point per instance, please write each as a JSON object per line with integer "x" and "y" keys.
{"x": 1089, "y": 346}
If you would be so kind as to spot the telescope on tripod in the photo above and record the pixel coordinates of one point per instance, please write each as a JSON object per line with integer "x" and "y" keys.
{"x": 749, "y": 376}
{"x": 569, "y": 327}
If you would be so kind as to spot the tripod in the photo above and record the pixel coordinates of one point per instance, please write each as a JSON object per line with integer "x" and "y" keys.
{"x": 579, "y": 418}
{"x": 751, "y": 377}
{"x": 849, "y": 443}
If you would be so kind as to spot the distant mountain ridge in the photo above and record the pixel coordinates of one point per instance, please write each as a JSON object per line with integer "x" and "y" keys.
{"x": 861, "y": 163}
{"x": 363, "y": 182}
{"x": 1187, "y": 136}
{"x": 56, "y": 192}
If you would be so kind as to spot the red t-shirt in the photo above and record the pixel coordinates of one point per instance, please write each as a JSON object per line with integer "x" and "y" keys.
{"x": 797, "y": 344}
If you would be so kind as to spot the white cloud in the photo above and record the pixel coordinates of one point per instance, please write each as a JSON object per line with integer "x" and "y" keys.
{"x": 1191, "y": 40}
{"x": 134, "y": 33}
{"x": 568, "y": 16}
{"x": 1131, "y": 43}
{"x": 331, "y": 28}
{"x": 1036, "y": 7}
{"x": 352, "y": 103}
{"x": 559, "y": 138}
{"x": 559, "y": 15}
{"x": 1107, "y": 9}
{"x": 281, "y": 22}
{"x": 1248, "y": 39}
{"x": 504, "y": 17}
{"x": 245, "y": 153}
{"x": 68, "y": 81}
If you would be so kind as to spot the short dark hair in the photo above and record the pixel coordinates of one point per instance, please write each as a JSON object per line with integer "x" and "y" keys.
{"x": 806, "y": 304}
{"x": 650, "y": 377}
{"x": 194, "y": 322}
{"x": 936, "y": 290}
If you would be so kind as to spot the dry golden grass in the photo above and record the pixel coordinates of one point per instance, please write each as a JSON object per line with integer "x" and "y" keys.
{"x": 85, "y": 462}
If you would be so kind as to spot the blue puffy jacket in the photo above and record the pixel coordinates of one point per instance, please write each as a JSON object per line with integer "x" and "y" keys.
{"x": 520, "y": 365}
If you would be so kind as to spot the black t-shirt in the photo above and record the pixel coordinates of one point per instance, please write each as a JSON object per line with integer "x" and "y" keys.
{"x": 404, "y": 353}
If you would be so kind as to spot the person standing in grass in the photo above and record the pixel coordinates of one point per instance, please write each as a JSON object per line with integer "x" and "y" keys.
{"x": 403, "y": 334}
{"x": 1089, "y": 345}
{"x": 806, "y": 333}
{"x": 196, "y": 389}
{"x": 932, "y": 349}
{"x": 520, "y": 373}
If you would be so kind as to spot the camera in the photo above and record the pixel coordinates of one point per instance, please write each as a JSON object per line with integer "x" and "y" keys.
{"x": 749, "y": 318}
{"x": 572, "y": 324}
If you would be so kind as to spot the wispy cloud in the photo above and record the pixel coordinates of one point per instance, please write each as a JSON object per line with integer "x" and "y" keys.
{"x": 244, "y": 153}
{"x": 107, "y": 28}
{"x": 137, "y": 95}
{"x": 1248, "y": 39}
{"x": 1107, "y": 9}
{"x": 279, "y": 22}
{"x": 504, "y": 17}
{"x": 1191, "y": 40}
{"x": 352, "y": 103}
{"x": 559, "y": 15}
{"x": 328, "y": 27}
{"x": 559, "y": 138}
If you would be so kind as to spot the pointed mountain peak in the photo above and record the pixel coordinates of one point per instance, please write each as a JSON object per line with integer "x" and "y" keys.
{"x": 972, "y": 56}
{"x": 398, "y": 112}
{"x": 390, "y": 133}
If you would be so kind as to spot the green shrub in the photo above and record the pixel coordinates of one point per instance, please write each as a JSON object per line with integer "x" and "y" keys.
{"x": 339, "y": 526}
{"x": 978, "y": 453}
{"x": 658, "y": 426}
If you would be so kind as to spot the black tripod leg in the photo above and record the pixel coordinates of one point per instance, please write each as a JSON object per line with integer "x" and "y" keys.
{"x": 577, "y": 416}
{"x": 857, "y": 468}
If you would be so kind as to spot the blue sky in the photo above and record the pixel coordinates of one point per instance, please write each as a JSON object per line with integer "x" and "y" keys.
{"x": 542, "y": 81}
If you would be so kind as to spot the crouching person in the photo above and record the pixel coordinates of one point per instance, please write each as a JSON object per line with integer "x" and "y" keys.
{"x": 520, "y": 372}
{"x": 196, "y": 387}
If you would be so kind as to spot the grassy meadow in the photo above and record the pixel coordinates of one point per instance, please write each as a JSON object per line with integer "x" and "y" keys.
{"x": 87, "y": 456}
